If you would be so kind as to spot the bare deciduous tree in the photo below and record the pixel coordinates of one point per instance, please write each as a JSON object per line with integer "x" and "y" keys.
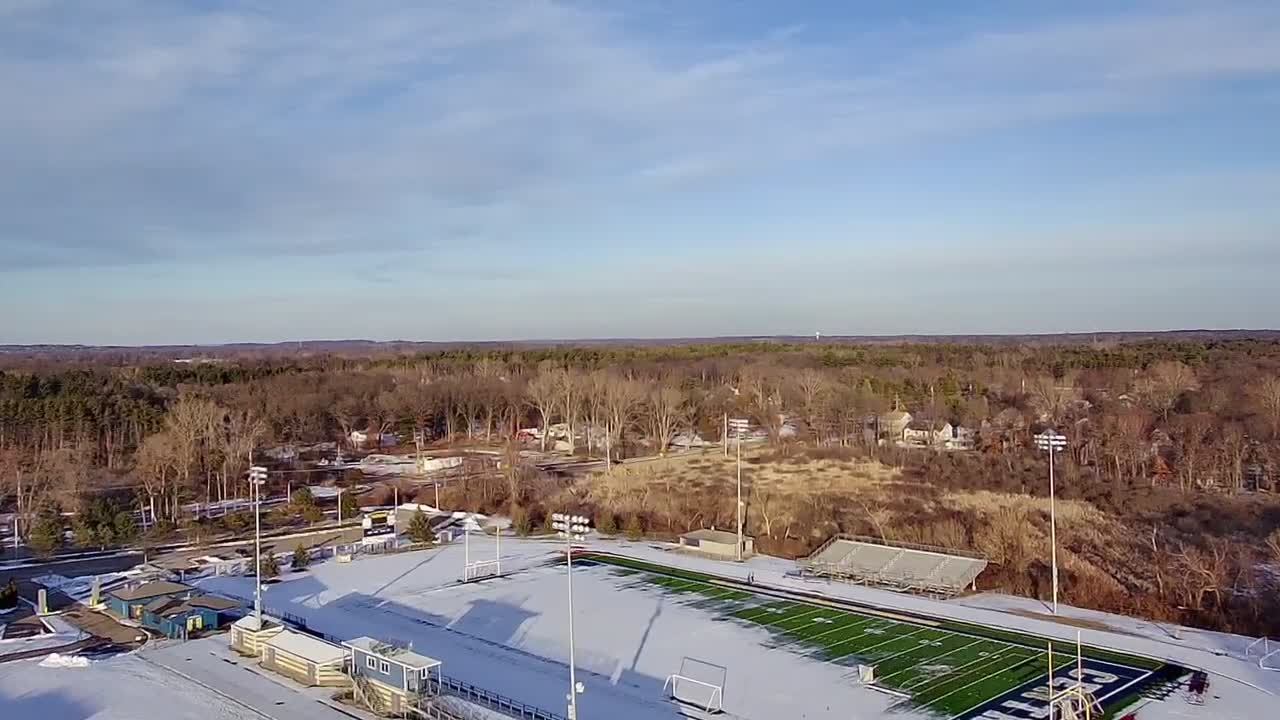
{"x": 666, "y": 410}
{"x": 1164, "y": 384}
{"x": 1266, "y": 393}
{"x": 622, "y": 402}
{"x": 544, "y": 393}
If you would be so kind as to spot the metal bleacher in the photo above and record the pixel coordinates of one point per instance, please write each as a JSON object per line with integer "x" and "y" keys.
{"x": 898, "y": 566}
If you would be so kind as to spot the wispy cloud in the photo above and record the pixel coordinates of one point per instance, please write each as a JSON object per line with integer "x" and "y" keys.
{"x": 142, "y": 130}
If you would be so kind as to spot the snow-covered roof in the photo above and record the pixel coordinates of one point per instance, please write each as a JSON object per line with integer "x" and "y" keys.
{"x": 308, "y": 648}
{"x": 149, "y": 590}
{"x": 717, "y": 536}
{"x": 250, "y": 622}
{"x": 402, "y": 656}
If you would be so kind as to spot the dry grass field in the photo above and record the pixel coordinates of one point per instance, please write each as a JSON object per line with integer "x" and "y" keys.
{"x": 795, "y": 502}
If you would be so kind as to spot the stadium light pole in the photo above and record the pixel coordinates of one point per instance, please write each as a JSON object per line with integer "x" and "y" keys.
{"x": 257, "y": 478}
{"x": 1052, "y": 442}
{"x": 571, "y": 527}
{"x": 739, "y": 428}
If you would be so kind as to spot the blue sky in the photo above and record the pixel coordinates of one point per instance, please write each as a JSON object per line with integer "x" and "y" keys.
{"x": 466, "y": 169}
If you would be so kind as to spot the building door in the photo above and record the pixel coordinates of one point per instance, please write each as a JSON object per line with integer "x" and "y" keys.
{"x": 195, "y": 622}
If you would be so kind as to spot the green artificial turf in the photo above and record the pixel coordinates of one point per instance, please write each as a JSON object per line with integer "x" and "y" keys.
{"x": 948, "y": 667}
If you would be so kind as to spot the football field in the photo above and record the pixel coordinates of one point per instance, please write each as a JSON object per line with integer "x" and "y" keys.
{"x": 952, "y": 669}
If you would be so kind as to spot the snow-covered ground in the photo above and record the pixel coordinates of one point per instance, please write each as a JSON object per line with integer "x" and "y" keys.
{"x": 120, "y": 688}
{"x": 211, "y": 663}
{"x": 510, "y": 635}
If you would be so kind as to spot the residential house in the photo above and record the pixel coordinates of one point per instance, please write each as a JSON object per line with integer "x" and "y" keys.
{"x": 396, "y": 677}
{"x": 892, "y": 424}
{"x": 927, "y": 433}
{"x": 962, "y": 438}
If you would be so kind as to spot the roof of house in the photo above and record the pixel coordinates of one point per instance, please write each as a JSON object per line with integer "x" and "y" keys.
{"x": 160, "y": 603}
{"x": 402, "y": 656}
{"x": 149, "y": 590}
{"x": 213, "y": 602}
{"x": 719, "y": 536}
{"x": 307, "y": 648}
{"x": 896, "y": 416}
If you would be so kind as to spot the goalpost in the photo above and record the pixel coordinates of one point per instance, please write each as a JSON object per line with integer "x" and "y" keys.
{"x": 1267, "y": 651}
{"x": 1073, "y": 702}
{"x": 481, "y": 569}
{"x": 713, "y": 693}
{"x": 698, "y": 683}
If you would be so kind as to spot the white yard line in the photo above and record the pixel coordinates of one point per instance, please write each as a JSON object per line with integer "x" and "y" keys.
{"x": 861, "y": 620}
{"x": 984, "y": 702}
{"x": 914, "y": 649}
{"x": 955, "y": 673}
{"x": 1123, "y": 687}
{"x": 768, "y": 609}
{"x": 932, "y": 659}
{"x": 893, "y": 639}
{"x": 789, "y": 619}
{"x": 982, "y": 679}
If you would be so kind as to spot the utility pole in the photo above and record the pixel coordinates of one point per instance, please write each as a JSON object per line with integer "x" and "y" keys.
{"x": 739, "y": 426}
{"x": 257, "y": 476}
{"x": 571, "y": 527}
{"x": 1052, "y": 442}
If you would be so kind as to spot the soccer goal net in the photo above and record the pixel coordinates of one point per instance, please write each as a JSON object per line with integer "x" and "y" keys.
{"x": 481, "y": 570}
{"x": 1267, "y": 651}
{"x": 699, "y": 684}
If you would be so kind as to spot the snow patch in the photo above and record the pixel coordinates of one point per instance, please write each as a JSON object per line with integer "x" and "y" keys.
{"x": 58, "y": 660}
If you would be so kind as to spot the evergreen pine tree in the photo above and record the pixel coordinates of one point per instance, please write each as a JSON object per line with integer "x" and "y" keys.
{"x": 301, "y": 557}
{"x": 419, "y": 529}
{"x": 46, "y": 534}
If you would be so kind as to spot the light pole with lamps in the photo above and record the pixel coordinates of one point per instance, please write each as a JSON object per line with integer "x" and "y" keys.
{"x": 571, "y": 527}
{"x": 257, "y": 478}
{"x": 739, "y": 428}
{"x": 1052, "y": 442}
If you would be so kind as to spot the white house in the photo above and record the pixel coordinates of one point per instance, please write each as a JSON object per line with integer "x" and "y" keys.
{"x": 893, "y": 423}
{"x": 924, "y": 432}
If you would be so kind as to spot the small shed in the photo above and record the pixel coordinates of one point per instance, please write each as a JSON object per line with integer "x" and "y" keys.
{"x": 396, "y": 675}
{"x": 717, "y": 543}
{"x": 248, "y": 635}
{"x": 305, "y": 659}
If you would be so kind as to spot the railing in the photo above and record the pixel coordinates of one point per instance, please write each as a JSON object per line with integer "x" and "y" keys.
{"x": 486, "y": 698}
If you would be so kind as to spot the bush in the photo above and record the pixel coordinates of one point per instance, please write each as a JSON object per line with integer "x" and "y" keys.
{"x": 9, "y": 595}
{"x": 635, "y": 528}
{"x": 312, "y": 514}
{"x": 269, "y": 567}
{"x": 607, "y": 523}
{"x": 523, "y": 523}
{"x": 348, "y": 506}
{"x": 238, "y": 521}
{"x": 301, "y": 499}
{"x": 301, "y": 557}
